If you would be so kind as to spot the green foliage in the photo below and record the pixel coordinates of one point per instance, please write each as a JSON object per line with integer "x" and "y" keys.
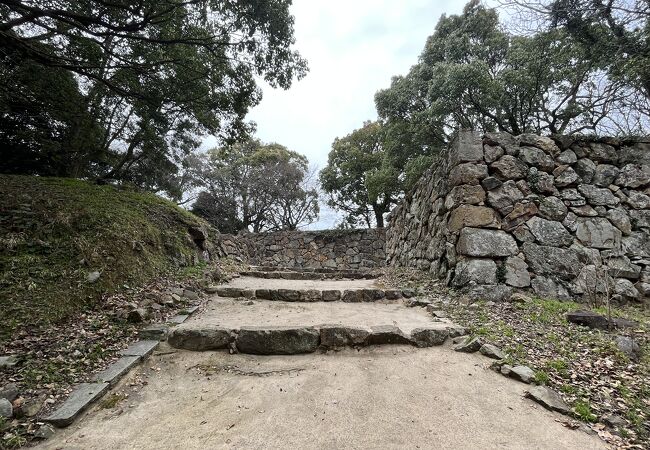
{"x": 55, "y": 231}
{"x": 261, "y": 187}
{"x": 582, "y": 410}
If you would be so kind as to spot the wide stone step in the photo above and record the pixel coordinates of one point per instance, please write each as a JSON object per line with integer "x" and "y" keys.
{"x": 303, "y": 275}
{"x": 327, "y": 270}
{"x": 277, "y": 340}
{"x": 315, "y": 295}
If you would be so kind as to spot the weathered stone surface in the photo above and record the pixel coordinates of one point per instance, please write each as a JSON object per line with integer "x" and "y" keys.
{"x": 634, "y": 176}
{"x": 536, "y": 158}
{"x": 157, "y": 332}
{"x": 638, "y": 154}
{"x": 8, "y": 361}
{"x": 520, "y": 213}
{"x": 593, "y": 320}
{"x": 597, "y": 232}
{"x": 638, "y": 200}
{"x": 545, "y": 287}
{"x": 83, "y": 395}
{"x": 387, "y": 334}
{"x": 544, "y": 260}
{"x": 469, "y": 345}
{"x": 6, "y": 409}
{"x": 466, "y": 147}
{"x": 277, "y": 340}
{"x": 467, "y": 173}
{"x": 504, "y": 197}
{"x": 230, "y": 292}
{"x": 542, "y": 182}
{"x": 490, "y": 293}
{"x": 117, "y": 370}
{"x": 393, "y": 294}
{"x": 625, "y": 288}
{"x": 516, "y": 272}
{"x": 491, "y": 351}
{"x": 600, "y": 152}
{"x": 542, "y": 142}
{"x": 200, "y": 339}
{"x": 429, "y": 336}
{"x": 481, "y": 242}
{"x": 490, "y": 183}
{"x": 9, "y": 391}
{"x": 567, "y": 157}
{"x": 492, "y": 153}
{"x": 640, "y": 219}
{"x": 481, "y": 271}
{"x": 565, "y": 176}
{"x": 598, "y": 196}
{"x": 548, "y": 398}
{"x": 585, "y": 168}
{"x": 333, "y": 295}
{"x": 333, "y": 336}
{"x": 522, "y": 373}
{"x": 552, "y": 208}
{"x": 465, "y": 194}
{"x": 605, "y": 175}
{"x": 622, "y": 267}
{"x": 473, "y": 216}
{"x": 548, "y": 232}
{"x": 628, "y": 346}
{"x": 509, "y": 168}
{"x": 141, "y": 348}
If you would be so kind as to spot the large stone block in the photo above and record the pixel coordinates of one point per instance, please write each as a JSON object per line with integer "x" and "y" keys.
{"x": 542, "y": 142}
{"x": 465, "y": 194}
{"x": 509, "y": 168}
{"x": 549, "y": 232}
{"x": 634, "y": 176}
{"x": 598, "y": 196}
{"x": 536, "y": 158}
{"x": 517, "y": 272}
{"x": 504, "y": 197}
{"x": 277, "y": 340}
{"x": 467, "y": 173}
{"x": 485, "y": 243}
{"x": 466, "y": 147}
{"x": 472, "y": 216}
{"x": 544, "y": 260}
{"x": 598, "y": 232}
{"x": 480, "y": 271}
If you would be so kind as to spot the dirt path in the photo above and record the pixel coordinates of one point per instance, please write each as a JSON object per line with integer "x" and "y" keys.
{"x": 380, "y": 397}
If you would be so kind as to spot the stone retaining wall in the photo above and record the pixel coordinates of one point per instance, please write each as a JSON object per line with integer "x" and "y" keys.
{"x": 340, "y": 249}
{"x": 562, "y": 217}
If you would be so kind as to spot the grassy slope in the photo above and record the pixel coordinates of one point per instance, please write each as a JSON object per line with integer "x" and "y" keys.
{"x": 54, "y": 232}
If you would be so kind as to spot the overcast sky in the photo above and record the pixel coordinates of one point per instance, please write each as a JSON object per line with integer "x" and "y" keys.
{"x": 353, "y": 48}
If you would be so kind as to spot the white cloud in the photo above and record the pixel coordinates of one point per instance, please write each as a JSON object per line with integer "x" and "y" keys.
{"x": 353, "y": 47}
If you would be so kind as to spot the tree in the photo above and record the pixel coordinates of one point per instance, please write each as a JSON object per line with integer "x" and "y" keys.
{"x": 360, "y": 177}
{"x": 473, "y": 74}
{"x": 255, "y": 186}
{"x": 154, "y": 75}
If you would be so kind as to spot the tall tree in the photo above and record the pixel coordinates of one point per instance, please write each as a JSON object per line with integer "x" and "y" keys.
{"x": 155, "y": 74}
{"x": 255, "y": 186}
{"x": 360, "y": 177}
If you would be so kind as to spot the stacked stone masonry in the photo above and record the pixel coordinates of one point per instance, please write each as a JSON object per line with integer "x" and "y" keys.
{"x": 340, "y": 249}
{"x": 563, "y": 217}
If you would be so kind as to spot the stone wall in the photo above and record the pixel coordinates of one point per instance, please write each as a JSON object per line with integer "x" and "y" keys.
{"x": 341, "y": 249}
{"x": 562, "y": 217}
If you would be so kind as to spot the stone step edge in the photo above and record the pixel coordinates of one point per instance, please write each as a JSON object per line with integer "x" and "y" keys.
{"x": 281, "y": 275}
{"x": 307, "y": 269}
{"x": 85, "y": 394}
{"x": 308, "y": 339}
{"x": 314, "y": 295}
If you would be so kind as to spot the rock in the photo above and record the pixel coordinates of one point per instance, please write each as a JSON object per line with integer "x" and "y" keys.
{"x": 628, "y": 346}
{"x": 605, "y": 175}
{"x": 137, "y": 315}
{"x": 467, "y": 173}
{"x": 92, "y": 277}
{"x": 472, "y": 216}
{"x": 465, "y": 194}
{"x": 210, "y": 289}
{"x": 9, "y": 391}
{"x": 79, "y": 400}
{"x": 6, "y": 410}
{"x": 565, "y": 176}
{"x": 523, "y": 234}
{"x": 521, "y": 212}
{"x": 213, "y": 338}
{"x": 393, "y": 294}
{"x": 640, "y": 219}
{"x": 491, "y": 351}
{"x": 487, "y": 243}
{"x": 598, "y": 196}
{"x": 481, "y": 271}
{"x": 524, "y": 187}
{"x": 597, "y": 232}
{"x": 45, "y": 431}
{"x": 505, "y": 370}
{"x": 466, "y": 147}
{"x": 614, "y": 421}
{"x": 548, "y": 398}
{"x": 542, "y": 183}
{"x": 331, "y": 295}
{"x": 522, "y": 373}
{"x": 637, "y": 200}
{"x": 536, "y": 158}
{"x": 634, "y": 176}
{"x": 277, "y": 340}
{"x": 490, "y": 183}
{"x": 429, "y": 336}
{"x": 552, "y": 208}
{"x": 584, "y": 211}
{"x": 490, "y": 293}
{"x": 288, "y": 295}
{"x": 7, "y": 361}
{"x": 542, "y": 142}
{"x": 602, "y": 152}
{"x": 408, "y": 293}
{"x": 509, "y": 168}
{"x": 544, "y": 260}
{"x": 516, "y": 272}
{"x": 518, "y": 297}
{"x": 623, "y": 268}
{"x": 387, "y": 334}
{"x": 548, "y": 232}
{"x": 567, "y": 157}
{"x": 190, "y": 295}
{"x": 469, "y": 345}
{"x": 620, "y": 219}
{"x": 547, "y": 288}
{"x": 504, "y": 197}
{"x": 625, "y": 288}
{"x": 588, "y": 319}
{"x": 456, "y": 331}
{"x": 492, "y": 153}
{"x": 311, "y": 295}
{"x": 231, "y": 292}
{"x": 585, "y": 168}
{"x": 334, "y": 336}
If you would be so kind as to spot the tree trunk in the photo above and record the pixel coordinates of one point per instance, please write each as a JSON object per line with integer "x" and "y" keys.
{"x": 379, "y": 217}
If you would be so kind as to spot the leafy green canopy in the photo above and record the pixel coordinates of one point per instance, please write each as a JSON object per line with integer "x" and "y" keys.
{"x": 151, "y": 75}
{"x": 257, "y": 187}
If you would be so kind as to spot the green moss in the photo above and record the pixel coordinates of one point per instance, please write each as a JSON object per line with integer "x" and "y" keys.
{"x": 55, "y": 231}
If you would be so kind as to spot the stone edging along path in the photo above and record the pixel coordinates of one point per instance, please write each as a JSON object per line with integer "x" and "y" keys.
{"x": 295, "y": 340}
{"x": 314, "y": 295}
{"x": 85, "y": 394}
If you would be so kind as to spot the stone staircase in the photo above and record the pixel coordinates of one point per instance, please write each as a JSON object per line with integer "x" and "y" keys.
{"x": 288, "y": 273}
{"x": 257, "y": 314}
